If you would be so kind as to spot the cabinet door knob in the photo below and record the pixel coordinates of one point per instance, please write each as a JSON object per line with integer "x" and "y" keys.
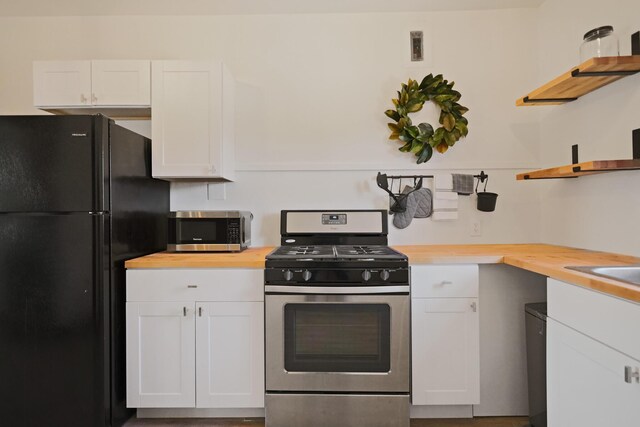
{"x": 200, "y": 311}
{"x": 83, "y": 99}
{"x": 94, "y": 98}
{"x": 192, "y": 286}
{"x": 631, "y": 374}
{"x": 446, "y": 282}
{"x": 184, "y": 311}
{"x": 474, "y": 307}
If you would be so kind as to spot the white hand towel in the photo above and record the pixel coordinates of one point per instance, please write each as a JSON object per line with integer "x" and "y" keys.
{"x": 445, "y": 204}
{"x": 444, "y": 215}
{"x": 446, "y": 195}
{"x": 443, "y": 181}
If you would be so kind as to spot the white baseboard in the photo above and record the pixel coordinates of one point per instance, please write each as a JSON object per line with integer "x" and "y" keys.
{"x": 442, "y": 411}
{"x": 200, "y": 413}
{"x": 432, "y": 411}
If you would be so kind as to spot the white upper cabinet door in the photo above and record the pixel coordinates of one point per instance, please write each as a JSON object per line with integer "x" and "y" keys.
{"x": 445, "y": 351}
{"x": 160, "y": 355}
{"x": 116, "y": 83}
{"x": 62, "y": 83}
{"x": 192, "y": 127}
{"x": 230, "y": 349}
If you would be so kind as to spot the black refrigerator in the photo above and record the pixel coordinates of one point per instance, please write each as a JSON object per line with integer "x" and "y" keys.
{"x": 76, "y": 201}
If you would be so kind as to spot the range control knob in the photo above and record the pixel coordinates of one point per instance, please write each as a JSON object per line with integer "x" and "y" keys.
{"x": 384, "y": 274}
{"x": 306, "y": 275}
{"x": 366, "y": 275}
{"x": 288, "y": 275}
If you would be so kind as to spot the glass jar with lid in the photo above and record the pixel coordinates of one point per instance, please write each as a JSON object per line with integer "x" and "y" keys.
{"x": 599, "y": 42}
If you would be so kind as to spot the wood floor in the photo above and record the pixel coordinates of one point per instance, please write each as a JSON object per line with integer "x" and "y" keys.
{"x": 259, "y": 422}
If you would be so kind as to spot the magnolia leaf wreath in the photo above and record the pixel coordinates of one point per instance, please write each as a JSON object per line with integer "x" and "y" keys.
{"x": 422, "y": 139}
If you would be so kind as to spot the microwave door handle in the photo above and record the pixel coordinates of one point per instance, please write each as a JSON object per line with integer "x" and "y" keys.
{"x": 338, "y": 290}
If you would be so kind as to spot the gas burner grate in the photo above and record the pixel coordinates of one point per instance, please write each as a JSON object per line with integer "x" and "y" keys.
{"x": 371, "y": 251}
{"x": 339, "y": 252}
{"x": 364, "y": 250}
{"x": 304, "y": 251}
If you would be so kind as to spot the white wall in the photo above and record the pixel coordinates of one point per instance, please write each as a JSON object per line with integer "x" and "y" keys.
{"x": 312, "y": 90}
{"x": 504, "y": 290}
{"x": 601, "y": 211}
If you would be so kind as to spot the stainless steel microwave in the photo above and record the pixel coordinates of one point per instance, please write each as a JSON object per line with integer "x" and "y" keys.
{"x": 209, "y": 231}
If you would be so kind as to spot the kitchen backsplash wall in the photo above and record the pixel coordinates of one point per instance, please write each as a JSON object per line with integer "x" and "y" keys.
{"x": 601, "y": 211}
{"x": 265, "y": 193}
{"x": 311, "y": 93}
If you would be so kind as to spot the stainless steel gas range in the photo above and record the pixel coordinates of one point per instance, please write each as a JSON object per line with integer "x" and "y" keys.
{"x": 337, "y": 322}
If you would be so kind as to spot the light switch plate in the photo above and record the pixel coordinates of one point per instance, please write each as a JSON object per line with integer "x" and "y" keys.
{"x": 427, "y": 48}
{"x": 417, "y": 45}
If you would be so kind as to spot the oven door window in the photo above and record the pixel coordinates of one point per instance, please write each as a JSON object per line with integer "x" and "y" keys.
{"x": 337, "y": 337}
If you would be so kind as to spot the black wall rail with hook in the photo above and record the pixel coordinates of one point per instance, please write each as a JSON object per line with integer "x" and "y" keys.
{"x": 383, "y": 182}
{"x": 481, "y": 177}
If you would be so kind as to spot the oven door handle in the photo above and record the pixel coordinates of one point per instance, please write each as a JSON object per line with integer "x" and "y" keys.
{"x": 341, "y": 290}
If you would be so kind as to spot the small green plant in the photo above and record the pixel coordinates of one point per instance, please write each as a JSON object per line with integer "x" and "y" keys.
{"x": 422, "y": 139}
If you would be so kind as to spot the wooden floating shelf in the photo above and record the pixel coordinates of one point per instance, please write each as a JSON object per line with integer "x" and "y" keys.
{"x": 586, "y": 77}
{"x": 579, "y": 169}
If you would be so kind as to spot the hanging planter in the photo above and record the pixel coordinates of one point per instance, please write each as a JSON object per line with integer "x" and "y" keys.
{"x": 422, "y": 139}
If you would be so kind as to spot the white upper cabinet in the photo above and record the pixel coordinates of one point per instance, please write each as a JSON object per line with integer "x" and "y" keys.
{"x": 116, "y": 88}
{"x": 193, "y": 120}
{"x": 62, "y": 83}
{"x": 121, "y": 83}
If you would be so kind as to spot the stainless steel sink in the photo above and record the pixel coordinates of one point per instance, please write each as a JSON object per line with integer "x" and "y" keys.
{"x": 624, "y": 273}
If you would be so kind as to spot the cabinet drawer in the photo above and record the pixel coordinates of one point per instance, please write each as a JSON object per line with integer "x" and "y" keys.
{"x": 608, "y": 319}
{"x": 218, "y": 284}
{"x": 444, "y": 281}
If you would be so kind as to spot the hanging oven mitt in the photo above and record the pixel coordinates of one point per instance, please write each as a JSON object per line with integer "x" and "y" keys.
{"x": 424, "y": 202}
{"x": 403, "y": 219}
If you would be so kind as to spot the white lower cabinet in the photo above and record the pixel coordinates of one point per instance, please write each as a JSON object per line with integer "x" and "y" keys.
{"x": 201, "y": 351}
{"x": 593, "y": 355}
{"x": 445, "y": 335}
{"x": 229, "y": 355}
{"x": 161, "y": 355}
{"x": 586, "y": 386}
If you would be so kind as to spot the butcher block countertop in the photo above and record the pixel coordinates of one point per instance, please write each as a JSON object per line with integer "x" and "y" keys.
{"x": 548, "y": 260}
{"x": 249, "y": 258}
